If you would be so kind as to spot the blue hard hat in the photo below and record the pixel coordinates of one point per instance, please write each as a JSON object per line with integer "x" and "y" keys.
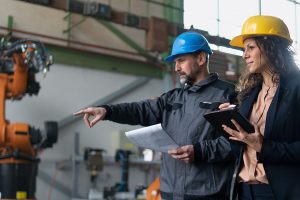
{"x": 189, "y": 42}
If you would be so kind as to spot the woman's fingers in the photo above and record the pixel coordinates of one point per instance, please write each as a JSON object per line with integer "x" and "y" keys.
{"x": 228, "y": 130}
{"x": 235, "y": 135}
{"x": 224, "y": 106}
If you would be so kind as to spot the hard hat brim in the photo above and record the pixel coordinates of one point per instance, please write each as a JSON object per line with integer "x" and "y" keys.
{"x": 238, "y": 41}
{"x": 172, "y": 57}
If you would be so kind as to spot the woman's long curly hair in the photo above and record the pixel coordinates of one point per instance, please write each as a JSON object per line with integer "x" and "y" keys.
{"x": 279, "y": 57}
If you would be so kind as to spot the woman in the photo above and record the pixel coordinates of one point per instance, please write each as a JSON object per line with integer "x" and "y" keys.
{"x": 268, "y": 164}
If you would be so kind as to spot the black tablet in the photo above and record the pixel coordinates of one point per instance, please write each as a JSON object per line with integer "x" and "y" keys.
{"x": 219, "y": 117}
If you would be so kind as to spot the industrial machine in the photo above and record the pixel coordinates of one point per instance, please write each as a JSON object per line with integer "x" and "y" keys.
{"x": 20, "y": 142}
{"x": 94, "y": 161}
{"x": 153, "y": 192}
{"x": 120, "y": 191}
{"x": 121, "y": 188}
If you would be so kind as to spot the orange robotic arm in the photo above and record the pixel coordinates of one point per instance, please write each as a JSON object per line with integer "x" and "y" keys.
{"x": 14, "y": 79}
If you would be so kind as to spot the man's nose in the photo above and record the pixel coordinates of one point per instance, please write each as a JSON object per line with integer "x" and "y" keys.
{"x": 177, "y": 67}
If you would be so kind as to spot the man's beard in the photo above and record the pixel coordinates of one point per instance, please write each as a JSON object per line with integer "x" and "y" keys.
{"x": 186, "y": 80}
{"x": 183, "y": 80}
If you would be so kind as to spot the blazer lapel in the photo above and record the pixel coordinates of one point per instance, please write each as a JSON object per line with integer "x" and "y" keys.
{"x": 280, "y": 92}
{"x": 247, "y": 104}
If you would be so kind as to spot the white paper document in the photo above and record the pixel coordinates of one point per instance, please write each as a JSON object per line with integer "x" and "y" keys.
{"x": 152, "y": 137}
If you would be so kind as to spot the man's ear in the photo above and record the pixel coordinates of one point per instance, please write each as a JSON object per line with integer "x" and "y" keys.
{"x": 201, "y": 58}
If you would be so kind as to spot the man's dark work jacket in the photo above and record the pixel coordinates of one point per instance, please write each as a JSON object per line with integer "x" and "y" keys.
{"x": 180, "y": 111}
{"x": 280, "y": 152}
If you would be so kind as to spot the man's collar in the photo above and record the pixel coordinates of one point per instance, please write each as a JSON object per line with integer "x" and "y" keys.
{"x": 209, "y": 79}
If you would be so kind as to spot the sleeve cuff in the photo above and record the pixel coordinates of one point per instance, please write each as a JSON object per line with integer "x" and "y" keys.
{"x": 108, "y": 111}
{"x": 197, "y": 152}
{"x": 260, "y": 155}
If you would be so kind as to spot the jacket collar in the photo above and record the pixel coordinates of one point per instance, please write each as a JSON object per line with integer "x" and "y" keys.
{"x": 210, "y": 78}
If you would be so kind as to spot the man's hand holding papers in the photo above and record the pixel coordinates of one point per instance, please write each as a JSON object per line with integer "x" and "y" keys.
{"x": 152, "y": 137}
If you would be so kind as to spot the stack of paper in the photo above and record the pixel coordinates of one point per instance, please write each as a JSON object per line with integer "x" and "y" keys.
{"x": 152, "y": 137}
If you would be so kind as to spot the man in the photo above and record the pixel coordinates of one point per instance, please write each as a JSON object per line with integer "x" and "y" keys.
{"x": 201, "y": 167}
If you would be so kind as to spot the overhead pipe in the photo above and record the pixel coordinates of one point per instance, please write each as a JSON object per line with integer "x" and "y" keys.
{"x": 71, "y": 41}
{"x": 57, "y": 39}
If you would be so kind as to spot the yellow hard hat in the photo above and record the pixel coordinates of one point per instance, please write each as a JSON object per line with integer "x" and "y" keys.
{"x": 259, "y": 26}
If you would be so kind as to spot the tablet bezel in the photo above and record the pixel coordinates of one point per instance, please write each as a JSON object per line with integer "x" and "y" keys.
{"x": 224, "y": 116}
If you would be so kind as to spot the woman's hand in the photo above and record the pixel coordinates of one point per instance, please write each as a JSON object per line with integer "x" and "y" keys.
{"x": 254, "y": 140}
{"x": 226, "y": 105}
